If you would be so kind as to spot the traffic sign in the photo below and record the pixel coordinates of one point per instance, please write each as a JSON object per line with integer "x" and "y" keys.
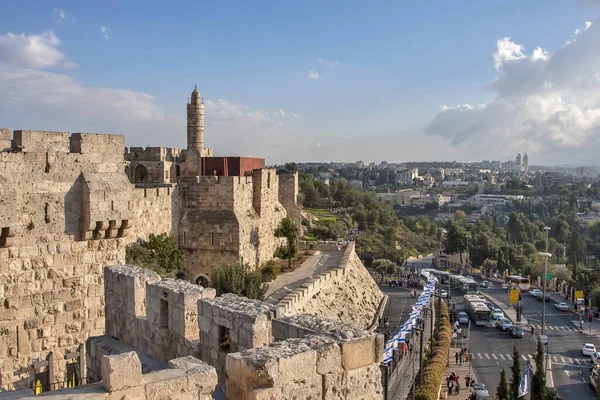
{"x": 579, "y": 294}
{"x": 514, "y": 296}
{"x": 548, "y": 277}
{"x": 544, "y": 339}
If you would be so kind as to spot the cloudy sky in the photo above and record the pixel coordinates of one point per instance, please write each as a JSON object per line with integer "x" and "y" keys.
{"x": 314, "y": 80}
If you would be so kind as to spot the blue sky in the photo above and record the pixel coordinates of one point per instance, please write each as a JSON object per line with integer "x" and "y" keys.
{"x": 384, "y": 70}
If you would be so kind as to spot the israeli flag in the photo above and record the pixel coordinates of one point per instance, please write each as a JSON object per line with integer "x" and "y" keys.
{"x": 388, "y": 354}
{"x": 524, "y": 386}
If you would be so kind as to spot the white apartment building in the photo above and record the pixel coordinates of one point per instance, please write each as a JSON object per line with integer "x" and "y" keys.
{"x": 493, "y": 199}
{"x": 412, "y": 198}
{"x": 407, "y": 177}
{"x": 455, "y": 183}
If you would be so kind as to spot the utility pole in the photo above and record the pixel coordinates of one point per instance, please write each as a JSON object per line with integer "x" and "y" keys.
{"x": 547, "y": 229}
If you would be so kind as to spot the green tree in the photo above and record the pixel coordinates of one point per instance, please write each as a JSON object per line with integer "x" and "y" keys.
{"x": 160, "y": 253}
{"x": 287, "y": 229}
{"x": 237, "y": 279}
{"x": 385, "y": 267}
{"x": 502, "y": 389}
{"x": 515, "y": 379}
{"x": 538, "y": 382}
{"x": 456, "y": 239}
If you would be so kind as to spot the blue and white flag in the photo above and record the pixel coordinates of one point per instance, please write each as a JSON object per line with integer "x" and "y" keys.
{"x": 388, "y": 354}
{"x": 524, "y": 386}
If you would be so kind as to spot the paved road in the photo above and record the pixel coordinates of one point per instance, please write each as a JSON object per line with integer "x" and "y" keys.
{"x": 570, "y": 369}
{"x": 493, "y": 349}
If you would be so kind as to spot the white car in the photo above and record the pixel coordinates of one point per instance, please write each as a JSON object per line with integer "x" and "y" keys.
{"x": 562, "y": 306}
{"x": 497, "y": 313}
{"x": 504, "y": 324}
{"x": 505, "y": 286}
{"x": 535, "y": 292}
{"x": 444, "y": 294}
{"x": 596, "y": 358}
{"x": 588, "y": 349}
{"x": 463, "y": 318}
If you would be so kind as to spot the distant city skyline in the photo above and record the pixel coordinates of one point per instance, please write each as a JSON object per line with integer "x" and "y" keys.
{"x": 344, "y": 81}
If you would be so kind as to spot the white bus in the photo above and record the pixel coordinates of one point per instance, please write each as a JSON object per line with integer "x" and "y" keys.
{"x": 469, "y": 286}
{"x": 518, "y": 282}
{"x": 479, "y": 312}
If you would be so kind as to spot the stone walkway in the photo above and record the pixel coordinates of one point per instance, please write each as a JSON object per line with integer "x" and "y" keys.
{"x": 316, "y": 264}
{"x": 461, "y": 371}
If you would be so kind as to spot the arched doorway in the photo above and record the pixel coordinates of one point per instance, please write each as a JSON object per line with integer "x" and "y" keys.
{"x": 141, "y": 174}
{"x": 172, "y": 174}
{"x": 202, "y": 281}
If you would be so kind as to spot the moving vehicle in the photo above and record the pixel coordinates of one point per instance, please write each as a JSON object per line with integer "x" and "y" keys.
{"x": 518, "y": 282}
{"x": 444, "y": 294}
{"x": 516, "y": 332}
{"x": 588, "y": 349}
{"x": 505, "y": 286}
{"x": 485, "y": 284}
{"x": 480, "y": 391}
{"x": 478, "y": 311}
{"x": 497, "y": 313}
{"x": 541, "y": 297}
{"x": 463, "y": 318}
{"x": 504, "y": 324}
{"x": 596, "y": 358}
{"x": 562, "y": 306}
{"x": 535, "y": 292}
{"x": 594, "y": 378}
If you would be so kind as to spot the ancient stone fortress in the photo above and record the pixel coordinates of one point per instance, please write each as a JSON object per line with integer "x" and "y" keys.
{"x": 70, "y": 204}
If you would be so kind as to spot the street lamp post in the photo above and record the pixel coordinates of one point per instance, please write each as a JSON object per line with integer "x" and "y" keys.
{"x": 469, "y": 256}
{"x": 546, "y": 256}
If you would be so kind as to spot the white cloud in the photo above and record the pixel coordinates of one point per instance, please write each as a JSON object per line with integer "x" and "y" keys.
{"x": 59, "y": 16}
{"x": 330, "y": 64}
{"x": 297, "y": 116}
{"x": 577, "y": 31}
{"x": 104, "y": 31}
{"x": 588, "y": 24}
{"x": 313, "y": 75}
{"x": 545, "y": 103}
{"x": 36, "y": 99}
{"x": 32, "y": 51}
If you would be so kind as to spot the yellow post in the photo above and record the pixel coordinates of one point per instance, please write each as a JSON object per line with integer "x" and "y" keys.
{"x": 38, "y": 387}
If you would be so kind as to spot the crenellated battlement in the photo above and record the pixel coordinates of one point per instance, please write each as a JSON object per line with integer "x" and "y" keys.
{"x": 153, "y": 153}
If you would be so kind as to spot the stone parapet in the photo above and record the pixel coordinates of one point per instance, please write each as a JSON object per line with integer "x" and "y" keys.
{"x": 160, "y": 317}
{"x": 312, "y": 367}
{"x": 122, "y": 378}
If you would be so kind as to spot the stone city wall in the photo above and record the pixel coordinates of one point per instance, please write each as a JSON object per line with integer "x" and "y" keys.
{"x": 66, "y": 210}
{"x": 157, "y": 316}
{"x": 122, "y": 378}
{"x": 347, "y": 293}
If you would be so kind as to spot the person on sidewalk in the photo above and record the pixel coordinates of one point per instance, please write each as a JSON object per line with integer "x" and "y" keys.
{"x": 460, "y": 357}
{"x": 456, "y": 358}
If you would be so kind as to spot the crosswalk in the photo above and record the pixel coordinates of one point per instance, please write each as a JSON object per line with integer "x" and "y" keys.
{"x": 508, "y": 357}
{"x": 558, "y": 328}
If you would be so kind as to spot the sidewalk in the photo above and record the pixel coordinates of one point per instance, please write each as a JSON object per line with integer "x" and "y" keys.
{"x": 595, "y": 331}
{"x": 461, "y": 371}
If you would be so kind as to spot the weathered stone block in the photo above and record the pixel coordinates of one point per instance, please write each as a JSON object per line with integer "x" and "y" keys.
{"x": 121, "y": 371}
{"x": 358, "y": 353}
{"x": 166, "y": 384}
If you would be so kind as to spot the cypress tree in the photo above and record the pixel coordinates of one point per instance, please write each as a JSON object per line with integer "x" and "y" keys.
{"x": 538, "y": 382}
{"x": 515, "y": 379}
{"x": 502, "y": 389}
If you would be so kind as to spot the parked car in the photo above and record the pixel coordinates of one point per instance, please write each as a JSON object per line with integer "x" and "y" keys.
{"x": 588, "y": 349}
{"x": 497, "y": 313}
{"x": 504, "y": 324}
{"x": 535, "y": 292}
{"x": 562, "y": 306}
{"x": 516, "y": 332}
{"x": 463, "y": 318}
{"x": 444, "y": 294}
{"x": 596, "y": 358}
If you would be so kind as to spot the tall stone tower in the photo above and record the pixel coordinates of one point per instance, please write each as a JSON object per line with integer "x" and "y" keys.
{"x": 195, "y": 122}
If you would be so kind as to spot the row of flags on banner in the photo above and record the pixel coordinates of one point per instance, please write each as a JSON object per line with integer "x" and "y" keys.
{"x": 405, "y": 329}
{"x": 524, "y": 385}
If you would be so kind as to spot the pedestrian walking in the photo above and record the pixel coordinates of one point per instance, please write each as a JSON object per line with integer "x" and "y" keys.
{"x": 456, "y": 358}
{"x": 460, "y": 357}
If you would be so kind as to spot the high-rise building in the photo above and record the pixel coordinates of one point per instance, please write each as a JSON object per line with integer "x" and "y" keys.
{"x": 518, "y": 160}
{"x": 526, "y": 163}
{"x": 496, "y": 165}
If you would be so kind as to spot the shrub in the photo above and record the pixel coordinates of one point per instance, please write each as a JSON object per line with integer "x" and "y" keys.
{"x": 269, "y": 271}
{"x": 281, "y": 252}
{"x": 160, "y": 254}
{"x": 236, "y": 279}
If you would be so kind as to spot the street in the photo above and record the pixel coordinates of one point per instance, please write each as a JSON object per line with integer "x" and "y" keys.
{"x": 492, "y": 349}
